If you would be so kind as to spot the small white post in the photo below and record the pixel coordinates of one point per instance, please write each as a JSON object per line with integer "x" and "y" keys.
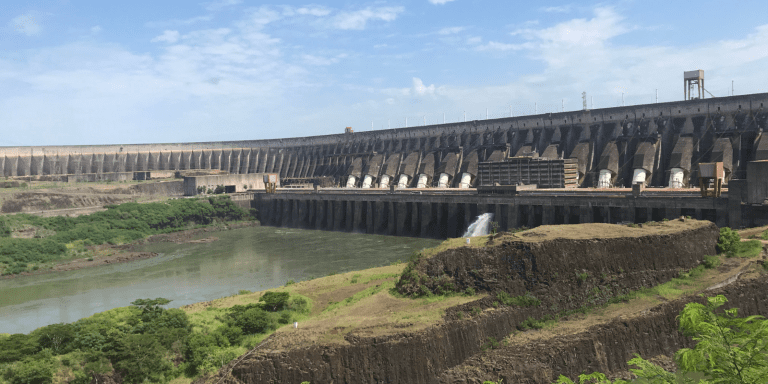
{"x": 295, "y": 324}
{"x": 467, "y": 240}
{"x": 622, "y": 99}
{"x": 406, "y": 122}
{"x": 425, "y": 120}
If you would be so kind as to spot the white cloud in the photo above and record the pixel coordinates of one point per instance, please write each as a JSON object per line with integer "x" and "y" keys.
{"x": 319, "y": 60}
{"x": 450, "y": 30}
{"x": 420, "y": 89}
{"x": 496, "y": 46}
{"x": 95, "y": 29}
{"x": 557, "y": 9}
{"x": 358, "y": 19}
{"x": 474, "y": 40}
{"x": 26, "y": 24}
{"x": 177, "y": 22}
{"x": 221, "y": 4}
{"x": 167, "y": 37}
{"x": 313, "y": 11}
{"x": 439, "y": 2}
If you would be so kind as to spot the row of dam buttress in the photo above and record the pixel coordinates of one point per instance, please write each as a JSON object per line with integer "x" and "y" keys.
{"x": 659, "y": 145}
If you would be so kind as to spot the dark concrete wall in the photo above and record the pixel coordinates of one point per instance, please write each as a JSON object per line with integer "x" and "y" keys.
{"x": 449, "y": 215}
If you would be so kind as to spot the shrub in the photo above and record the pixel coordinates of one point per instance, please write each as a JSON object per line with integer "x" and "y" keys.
{"x": 274, "y": 301}
{"x": 251, "y": 319}
{"x": 526, "y": 300}
{"x": 140, "y": 358}
{"x": 31, "y": 371}
{"x": 727, "y": 240}
{"x": 583, "y": 276}
{"x": 710, "y": 262}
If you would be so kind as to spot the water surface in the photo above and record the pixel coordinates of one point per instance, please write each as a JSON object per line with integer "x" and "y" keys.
{"x": 255, "y": 258}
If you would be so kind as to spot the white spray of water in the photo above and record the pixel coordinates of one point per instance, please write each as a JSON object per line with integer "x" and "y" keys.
{"x": 481, "y": 226}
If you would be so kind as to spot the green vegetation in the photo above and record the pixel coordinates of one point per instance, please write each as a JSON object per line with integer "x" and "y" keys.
{"x": 729, "y": 349}
{"x": 58, "y": 237}
{"x": 144, "y": 342}
{"x": 526, "y": 300}
{"x": 730, "y": 243}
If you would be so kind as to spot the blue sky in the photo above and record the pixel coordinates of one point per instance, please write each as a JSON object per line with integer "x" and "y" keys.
{"x": 103, "y": 72}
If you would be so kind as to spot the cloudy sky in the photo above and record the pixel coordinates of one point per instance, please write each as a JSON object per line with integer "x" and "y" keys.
{"x": 98, "y": 72}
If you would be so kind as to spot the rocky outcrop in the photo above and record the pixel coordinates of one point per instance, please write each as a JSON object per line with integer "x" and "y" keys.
{"x": 549, "y": 269}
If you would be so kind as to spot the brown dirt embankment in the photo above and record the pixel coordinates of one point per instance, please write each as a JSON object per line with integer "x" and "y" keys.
{"x": 552, "y": 268}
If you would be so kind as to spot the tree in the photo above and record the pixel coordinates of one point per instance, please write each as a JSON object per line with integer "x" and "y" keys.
{"x": 274, "y": 301}
{"x": 139, "y": 358}
{"x": 729, "y": 349}
{"x": 150, "y": 308}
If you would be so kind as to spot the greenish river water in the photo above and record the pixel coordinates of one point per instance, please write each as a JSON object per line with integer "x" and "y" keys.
{"x": 255, "y": 258}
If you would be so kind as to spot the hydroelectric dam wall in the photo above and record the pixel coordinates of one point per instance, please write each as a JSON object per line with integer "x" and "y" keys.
{"x": 658, "y": 145}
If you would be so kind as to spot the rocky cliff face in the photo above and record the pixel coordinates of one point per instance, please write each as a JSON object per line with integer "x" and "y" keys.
{"x": 551, "y": 270}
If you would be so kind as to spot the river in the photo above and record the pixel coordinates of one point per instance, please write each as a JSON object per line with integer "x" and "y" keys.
{"x": 255, "y": 258}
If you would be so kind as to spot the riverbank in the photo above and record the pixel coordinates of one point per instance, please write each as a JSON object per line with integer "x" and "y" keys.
{"x": 108, "y": 254}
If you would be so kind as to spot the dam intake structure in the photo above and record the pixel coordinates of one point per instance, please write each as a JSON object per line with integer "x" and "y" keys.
{"x": 604, "y": 152}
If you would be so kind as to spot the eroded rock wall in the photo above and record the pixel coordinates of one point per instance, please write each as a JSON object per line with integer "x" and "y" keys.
{"x": 422, "y": 357}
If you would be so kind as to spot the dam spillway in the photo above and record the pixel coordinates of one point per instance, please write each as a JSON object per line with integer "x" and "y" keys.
{"x": 658, "y": 145}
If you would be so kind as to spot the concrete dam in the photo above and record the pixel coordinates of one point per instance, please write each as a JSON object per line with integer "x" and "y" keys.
{"x": 435, "y": 168}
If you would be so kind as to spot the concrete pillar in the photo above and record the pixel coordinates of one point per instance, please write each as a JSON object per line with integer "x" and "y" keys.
{"x": 339, "y": 215}
{"x": 320, "y": 214}
{"x": 586, "y": 215}
{"x": 548, "y": 215}
{"x": 286, "y": 213}
{"x": 606, "y": 214}
{"x": 426, "y": 219}
{"x": 649, "y": 214}
{"x": 295, "y": 214}
{"x": 673, "y": 212}
{"x": 566, "y": 214}
{"x": 358, "y": 224}
{"x": 452, "y": 220}
{"x": 380, "y": 217}
{"x": 498, "y": 217}
{"x": 512, "y": 216}
{"x": 629, "y": 213}
{"x": 369, "y": 217}
{"x": 330, "y": 211}
{"x": 415, "y": 219}
{"x": 440, "y": 222}
{"x": 401, "y": 216}
{"x": 698, "y": 214}
{"x": 391, "y": 218}
{"x": 311, "y": 212}
{"x": 531, "y": 216}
